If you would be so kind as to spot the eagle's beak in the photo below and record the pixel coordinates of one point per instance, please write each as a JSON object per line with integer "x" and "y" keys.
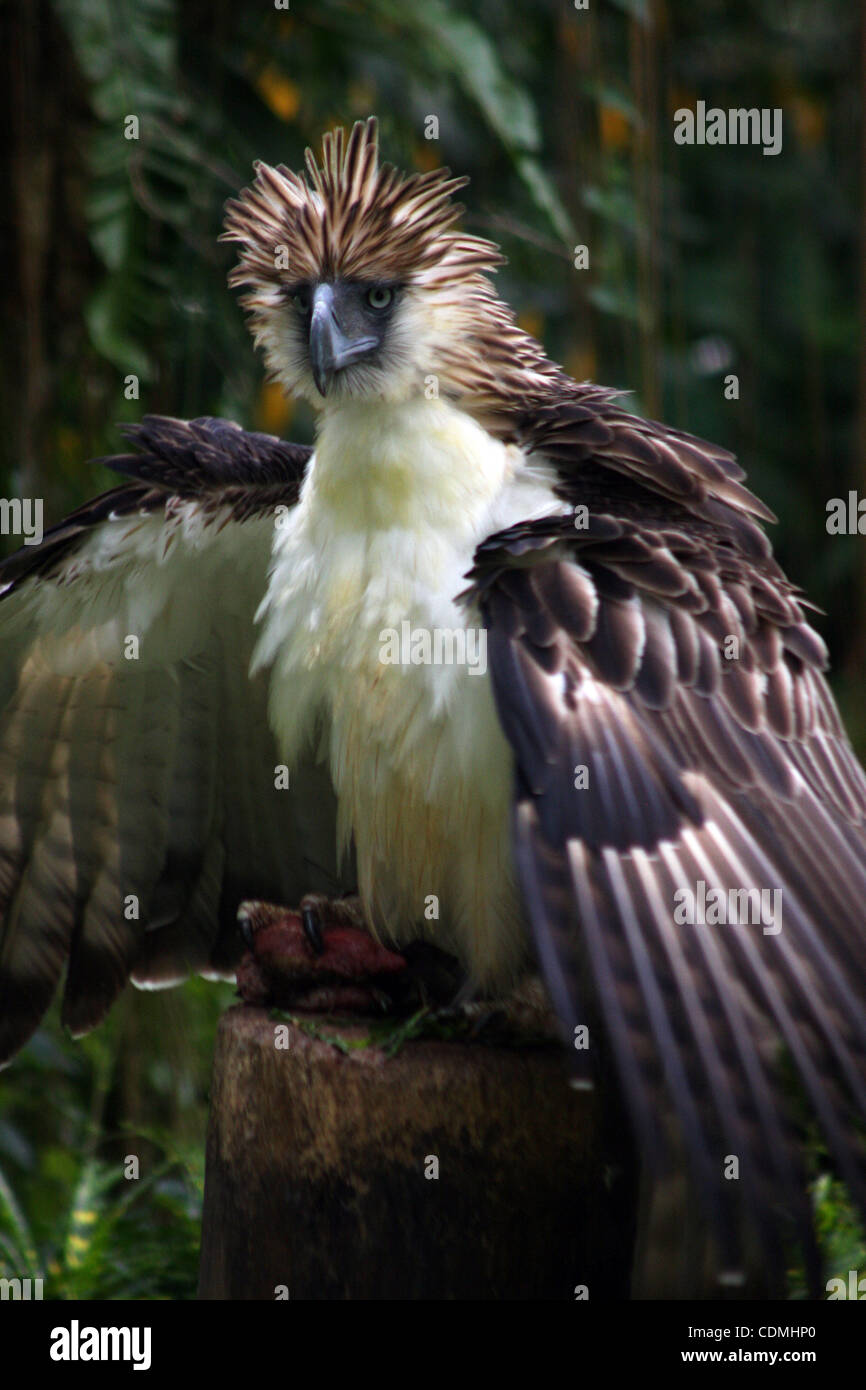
{"x": 330, "y": 349}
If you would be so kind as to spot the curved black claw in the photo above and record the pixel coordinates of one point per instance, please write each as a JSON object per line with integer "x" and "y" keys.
{"x": 313, "y": 929}
{"x": 245, "y": 929}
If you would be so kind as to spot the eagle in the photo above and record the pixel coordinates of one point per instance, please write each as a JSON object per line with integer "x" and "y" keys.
{"x": 497, "y": 665}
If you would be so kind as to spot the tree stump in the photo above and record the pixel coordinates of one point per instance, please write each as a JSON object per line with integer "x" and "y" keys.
{"x": 451, "y": 1170}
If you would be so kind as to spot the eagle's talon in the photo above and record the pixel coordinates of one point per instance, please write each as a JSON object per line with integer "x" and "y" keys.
{"x": 313, "y": 929}
{"x": 317, "y": 957}
{"x": 245, "y": 926}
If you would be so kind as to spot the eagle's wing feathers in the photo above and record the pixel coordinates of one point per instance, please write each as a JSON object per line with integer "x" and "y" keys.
{"x": 663, "y": 695}
{"x": 137, "y": 769}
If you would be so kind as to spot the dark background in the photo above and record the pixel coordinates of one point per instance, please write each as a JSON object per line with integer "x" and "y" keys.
{"x": 703, "y": 261}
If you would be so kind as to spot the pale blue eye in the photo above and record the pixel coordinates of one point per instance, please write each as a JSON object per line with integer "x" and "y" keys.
{"x": 379, "y": 297}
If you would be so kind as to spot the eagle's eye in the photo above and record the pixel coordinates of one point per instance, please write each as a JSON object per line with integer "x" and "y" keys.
{"x": 301, "y": 299}
{"x": 379, "y": 297}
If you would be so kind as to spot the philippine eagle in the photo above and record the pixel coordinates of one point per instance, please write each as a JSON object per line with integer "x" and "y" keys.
{"x": 639, "y": 783}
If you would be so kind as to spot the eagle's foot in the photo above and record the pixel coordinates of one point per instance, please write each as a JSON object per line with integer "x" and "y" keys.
{"x": 318, "y": 957}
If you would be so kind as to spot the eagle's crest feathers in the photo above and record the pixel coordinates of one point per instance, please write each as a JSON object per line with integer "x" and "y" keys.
{"x": 353, "y": 218}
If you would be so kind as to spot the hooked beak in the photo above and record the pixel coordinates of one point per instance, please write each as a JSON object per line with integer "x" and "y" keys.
{"x": 330, "y": 349}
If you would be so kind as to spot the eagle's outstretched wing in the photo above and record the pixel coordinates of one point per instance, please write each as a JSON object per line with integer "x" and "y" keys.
{"x": 139, "y": 797}
{"x": 674, "y": 737}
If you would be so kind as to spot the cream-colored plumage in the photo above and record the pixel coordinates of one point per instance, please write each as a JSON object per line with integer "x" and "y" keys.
{"x": 411, "y": 472}
{"x": 394, "y": 503}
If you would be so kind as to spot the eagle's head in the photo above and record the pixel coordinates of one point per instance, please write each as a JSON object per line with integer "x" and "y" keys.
{"x": 358, "y": 283}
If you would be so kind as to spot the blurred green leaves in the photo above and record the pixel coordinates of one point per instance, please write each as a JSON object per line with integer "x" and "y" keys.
{"x": 465, "y": 53}
{"x": 72, "y": 1115}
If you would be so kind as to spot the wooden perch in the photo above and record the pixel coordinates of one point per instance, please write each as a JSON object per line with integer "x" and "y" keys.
{"x": 322, "y": 1166}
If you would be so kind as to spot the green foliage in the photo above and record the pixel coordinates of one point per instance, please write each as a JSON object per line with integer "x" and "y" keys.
{"x": 117, "y": 1240}
{"x": 71, "y": 1116}
{"x": 839, "y": 1230}
{"x": 483, "y": 1024}
{"x": 461, "y": 51}
{"x": 840, "y": 1235}
{"x": 153, "y": 202}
